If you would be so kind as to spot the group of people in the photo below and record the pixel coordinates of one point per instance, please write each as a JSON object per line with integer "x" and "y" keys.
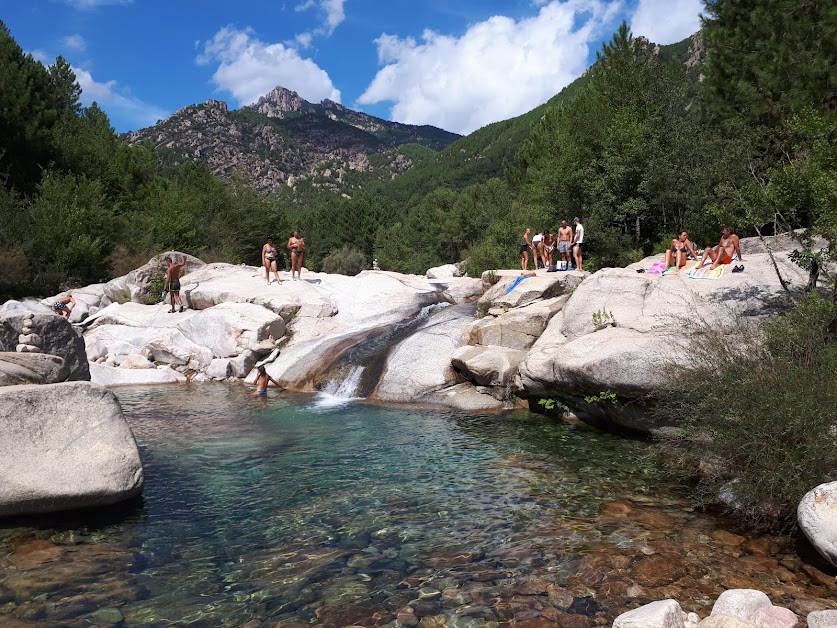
{"x": 570, "y": 244}
{"x": 681, "y": 249}
{"x": 270, "y": 256}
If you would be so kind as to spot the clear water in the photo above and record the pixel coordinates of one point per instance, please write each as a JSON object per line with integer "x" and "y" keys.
{"x": 291, "y": 509}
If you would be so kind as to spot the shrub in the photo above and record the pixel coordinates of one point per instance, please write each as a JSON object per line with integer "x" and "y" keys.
{"x": 760, "y": 410}
{"x": 345, "y": 261}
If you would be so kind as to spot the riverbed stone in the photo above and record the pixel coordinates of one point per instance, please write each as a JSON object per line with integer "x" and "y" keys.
{"x": 817, "y": 517}
{"x": 726, "y": 621}
{"x": 822, "y": 619}
{"x": 219, "y": 368}
{"x": 136, "y": 361}
{"x": 63, "y": 448}
{"x": 775, "y": 617}
{"x": 662, "y": 614}
{"x": 741, "y": 603}
{"x": 32, "y": 368}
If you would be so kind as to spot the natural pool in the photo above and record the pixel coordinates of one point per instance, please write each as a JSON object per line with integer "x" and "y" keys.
{"x": 303, "y": 510}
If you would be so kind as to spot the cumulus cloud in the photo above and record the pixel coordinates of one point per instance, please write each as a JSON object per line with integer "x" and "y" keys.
{"x": 249, "y": 68}
{"x": 666, "y": 21}
{"x": 75, "y": 43}
{"x": 333, "y": 15}
{"x": 117, "y": 101}
{"x": 84, "y": 5}
{"x": 498, "y": 69}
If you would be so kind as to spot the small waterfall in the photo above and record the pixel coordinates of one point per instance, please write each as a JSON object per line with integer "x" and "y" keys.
{"x": 508, "y": 398}
{"x": 339, "y": 391}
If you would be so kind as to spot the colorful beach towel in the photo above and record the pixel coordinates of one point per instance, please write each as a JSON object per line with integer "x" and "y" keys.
{"x": 657, "y": 268}
{"x": 669, "y": 271}
{"x": 516, "y": 282}
{"x": 707, "y": 272}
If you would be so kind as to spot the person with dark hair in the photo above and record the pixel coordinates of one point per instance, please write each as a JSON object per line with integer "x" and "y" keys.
{"x": 173, "y": 270}
{"x": 548, "y": 247}
{"x": 578, "y": 242}
{"x": 676, "y": 253}
{"x": 728, "y": 249}
{"x": 296, "y": 245}
{"x": 269, "y": 256}
{"x": 525, "y": 245}
{"x": 565, "y": 237}
{"x": 263, "y": 380}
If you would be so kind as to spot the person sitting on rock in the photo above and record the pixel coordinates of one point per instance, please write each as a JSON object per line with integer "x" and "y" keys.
{"x": 728, "y": 247}
{"x": 173, "y": 270}
{"x": 263, "y": 380}
{"x": 64, "y": 306}
{"x": 676, "y": 254}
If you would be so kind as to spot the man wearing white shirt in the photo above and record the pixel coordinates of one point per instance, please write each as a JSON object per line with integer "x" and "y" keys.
{"x": 578, "y": 242}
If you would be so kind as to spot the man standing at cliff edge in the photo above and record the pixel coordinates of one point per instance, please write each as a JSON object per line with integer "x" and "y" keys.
{"x": 578, "y": 242}
{"x": 173, "y": 281}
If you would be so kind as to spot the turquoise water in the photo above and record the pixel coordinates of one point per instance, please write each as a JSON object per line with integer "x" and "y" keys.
{"x": 298, "y": 510}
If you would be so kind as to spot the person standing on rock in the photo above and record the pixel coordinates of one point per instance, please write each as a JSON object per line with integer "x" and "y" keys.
{"x": 173, "y": 270}
{"x": 537, "y": 249}
{"x": 296, "y": 245}
{"x": 565, "y": 237}
{"x": 525, "y": 245}
{"x": 578, "y": 242}
{"x": 64, "y": 306}
{"x": 548, "y": 247}
{"x": 269, "y": 256}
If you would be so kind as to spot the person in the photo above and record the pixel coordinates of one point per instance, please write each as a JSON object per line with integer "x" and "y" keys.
{"x": 676, "y": 254}
{"x": 537, "y": 249}
{"x": 565, "y": 236}
{"x": 728, "y": 247}
{"x": 548, "y": 247}
{"x": 263, "y": 380}
{"x": 64, "y": 306}
{"x": 296, "y": 245}
{"x": 578, "y": 242}
{"x": 269, "y": 257}
{"x": 525, "y": 245}
{"x": 172, "y": 286}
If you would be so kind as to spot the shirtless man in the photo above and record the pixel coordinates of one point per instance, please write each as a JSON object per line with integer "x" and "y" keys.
{"x": 722, "y": 254}
{"x": 565, "y": 236}
{"x": 296, "y": 245}
{"x": 263, "y": 380}
{"x": 173, "y": 281}
{"x": 64, "y": 306}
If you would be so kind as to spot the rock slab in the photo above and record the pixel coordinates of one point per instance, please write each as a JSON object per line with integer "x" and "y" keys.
{"x": 64, "y": 447}
{"x": 817, "y": 517}
{"x": 57, "y": 337}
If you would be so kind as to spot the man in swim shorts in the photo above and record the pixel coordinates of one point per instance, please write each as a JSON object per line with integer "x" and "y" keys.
{"x": 723, "y": 253}
{"x": 565, "y": 236}
{"x": 64, "y": 306}
{"x": 173, "y": 270}
{"x": 578, "y": 242}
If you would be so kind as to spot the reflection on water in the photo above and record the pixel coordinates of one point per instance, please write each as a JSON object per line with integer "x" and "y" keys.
{"x": 287, "y": 509}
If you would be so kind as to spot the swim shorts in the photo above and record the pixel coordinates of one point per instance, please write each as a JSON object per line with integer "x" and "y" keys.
{"x": 563, "y": 246}
{"x": 174, "y": 286}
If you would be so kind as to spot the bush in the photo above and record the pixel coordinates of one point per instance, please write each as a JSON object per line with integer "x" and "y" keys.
{"x": 345, "y": 261}
{"x": 761, "y": 409}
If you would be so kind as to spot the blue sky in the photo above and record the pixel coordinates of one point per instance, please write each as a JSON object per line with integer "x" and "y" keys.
{"x": 457, "y": 65}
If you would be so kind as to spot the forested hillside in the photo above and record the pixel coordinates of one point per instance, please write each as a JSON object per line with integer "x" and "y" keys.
{"x": 642, "y": 145}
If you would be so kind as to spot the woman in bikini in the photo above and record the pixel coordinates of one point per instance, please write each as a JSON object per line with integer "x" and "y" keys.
{"x": 296, "y": 245}
{"x": 269, "y": 257}
{"x": 525, "y": 245}
{"x": 676, "y": 254}
{"x": 548, "y": 247}
{"x": 263, "y": 380}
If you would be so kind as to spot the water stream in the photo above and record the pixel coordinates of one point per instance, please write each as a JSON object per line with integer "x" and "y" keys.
{"x": 285, "y": 511}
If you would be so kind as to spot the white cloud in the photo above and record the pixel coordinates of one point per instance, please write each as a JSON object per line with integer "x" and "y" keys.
{"x": 332, "y": 11}
{"x": 92, "y": 4}
{"x": 75, "y": 43}
{"x": 498, "y": 69}
{"x": 666, "y": 21}
{"x": 117, "y": 101}
{"x": 249, "y": 68}
{"x": 40, "y": 55}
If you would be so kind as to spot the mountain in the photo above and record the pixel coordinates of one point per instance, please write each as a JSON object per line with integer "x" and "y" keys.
{"x": 283, "y": 141}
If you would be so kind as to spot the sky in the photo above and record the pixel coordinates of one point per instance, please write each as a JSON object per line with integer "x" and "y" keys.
{"x": 454, "y": 64}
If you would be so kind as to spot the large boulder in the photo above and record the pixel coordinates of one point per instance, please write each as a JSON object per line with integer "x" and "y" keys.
{"x": 619, "y": 329}
{"x": 32, "y": 368}
{"x": 105, "y": 375}
{"x": 229, "y": 329}
{"x": 817, "y": 517}
{"x": 516, "y": 290}
{"x": 64, "y": 447}
{"x": 518, "y": 328}
{"x": 137, "y": 281}
{"x": 487, "y": 365}
{"x": 57, "y": 337}
{"x": 662, "y": 614}
{"x": 160, "y": 344}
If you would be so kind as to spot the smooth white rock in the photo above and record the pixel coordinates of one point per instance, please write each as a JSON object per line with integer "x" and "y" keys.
{"x": 112, "y": 376}
{"x": 219, "y": 368}
{"x": 817, "y": 517}
{"x": 775, "y": 617}
{"x": 742, "y": 603}
{"x": 822, "y": 619}
{"x": 135, "y": 361}
{"x": 661, "y": 614}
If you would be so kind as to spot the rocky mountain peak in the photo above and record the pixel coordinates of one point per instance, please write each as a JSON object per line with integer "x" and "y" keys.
{"x": 279, "y": 102}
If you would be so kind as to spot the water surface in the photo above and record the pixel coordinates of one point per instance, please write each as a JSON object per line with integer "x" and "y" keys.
{"x": 301, "y": 510}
